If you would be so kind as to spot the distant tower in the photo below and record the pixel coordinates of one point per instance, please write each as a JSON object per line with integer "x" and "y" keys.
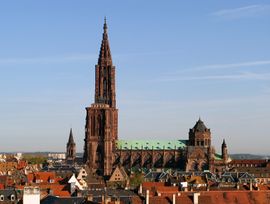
{"x": 102, "y": 117}
{"x": 199, "y": 152}
{"x": 224, "y": 151}
{"x": 71, "y": 147}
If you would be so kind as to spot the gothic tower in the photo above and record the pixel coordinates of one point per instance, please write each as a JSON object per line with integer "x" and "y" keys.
{"x": 200, "y": 135}
{"x": 101, "y": 127}
{"x": 224, "y": 151}
{"x": 71, "y": 147}
{"x": 199, "y": 151}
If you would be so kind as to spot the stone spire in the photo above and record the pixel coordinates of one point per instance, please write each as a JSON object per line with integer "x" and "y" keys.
{"x": 105, "y": 73}
{"x": 71, "y": 147}
{"x": 105, "y": 58}
{"x": 224, "y": 143}
{"x": 70, "y": 139}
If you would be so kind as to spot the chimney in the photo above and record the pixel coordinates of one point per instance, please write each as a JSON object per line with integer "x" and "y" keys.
{"x": 237, "y": 186}
{"x": 174, "y": 199}
{"x": 196, "y": 198}
{"x": 31, "y": 195}
{"x": 140, "y": 189}
{"x": 147, "y": 197}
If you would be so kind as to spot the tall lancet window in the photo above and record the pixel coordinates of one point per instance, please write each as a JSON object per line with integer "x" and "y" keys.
{"x": 104, "y": 88}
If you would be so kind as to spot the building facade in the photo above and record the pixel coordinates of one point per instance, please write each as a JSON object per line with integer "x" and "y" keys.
{"x": 103, "y": 151}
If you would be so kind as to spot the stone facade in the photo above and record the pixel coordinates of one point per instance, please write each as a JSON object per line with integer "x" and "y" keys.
{"x": 103, "y": 151}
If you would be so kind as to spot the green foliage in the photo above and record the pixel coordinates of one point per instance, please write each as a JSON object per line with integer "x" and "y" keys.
{"x": 35, "y": 159}
{"x": 136, "y": 179}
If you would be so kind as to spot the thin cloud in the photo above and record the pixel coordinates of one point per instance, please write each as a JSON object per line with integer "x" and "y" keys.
{"x": 241, "y": 76}
{"x": 246, "y": 11}
{"x": 232, "y": 65}
{"x": 38, "y": 60}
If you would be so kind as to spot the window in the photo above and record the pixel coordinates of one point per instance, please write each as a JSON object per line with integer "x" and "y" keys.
{"x": 12, "y": 197}
{"x": 1, "y": 197}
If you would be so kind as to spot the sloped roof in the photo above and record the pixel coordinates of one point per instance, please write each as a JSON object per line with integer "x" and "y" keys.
{"x": 200, "y": 126}
{"x": 41, "y": 175}
{"x": 151, "y": 144}
{"x": 55, "y": 200}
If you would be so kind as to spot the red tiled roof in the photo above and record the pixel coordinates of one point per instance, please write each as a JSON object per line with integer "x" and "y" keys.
{"x": 216, "y": 197}
{"x": 22, "y": 164}
{"x": 152, "y": 184}
{"x": 61, "y": 193}
{"x": 2, "y": 186}
{"x": 44, "y": 177}
{"x": 166, "y": 189}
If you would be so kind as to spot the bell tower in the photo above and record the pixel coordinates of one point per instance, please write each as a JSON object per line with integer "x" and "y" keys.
{"x": 224, "y": 151}
{"x": 101, "y": 128}
{"x": 71, "y": 147}
{"x": 199, "y": 151}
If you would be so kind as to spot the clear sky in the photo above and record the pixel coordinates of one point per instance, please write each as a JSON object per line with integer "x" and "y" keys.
{"x": 176, "y": 61}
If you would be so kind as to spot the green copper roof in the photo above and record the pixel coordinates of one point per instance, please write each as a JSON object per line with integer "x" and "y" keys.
{"x": 151, "y": 144}
{"x": 218, "y": 157}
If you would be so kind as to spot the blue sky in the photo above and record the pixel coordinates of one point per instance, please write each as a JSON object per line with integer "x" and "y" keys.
{"x": 176, "y": 61}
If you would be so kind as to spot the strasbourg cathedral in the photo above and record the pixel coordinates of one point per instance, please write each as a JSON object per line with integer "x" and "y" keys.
{"x": 104, "y": 151}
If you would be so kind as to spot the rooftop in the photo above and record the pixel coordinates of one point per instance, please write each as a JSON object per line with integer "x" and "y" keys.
{"x": 151, "y": 144}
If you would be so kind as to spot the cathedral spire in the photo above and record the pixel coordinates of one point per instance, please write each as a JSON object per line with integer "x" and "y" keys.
{"x": 105, "y": 58}
{"x": 105, "y": 25}
{"x": 105, "y": 73}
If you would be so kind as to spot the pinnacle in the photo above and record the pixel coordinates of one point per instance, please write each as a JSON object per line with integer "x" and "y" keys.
{"x": 105, "y": 58}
